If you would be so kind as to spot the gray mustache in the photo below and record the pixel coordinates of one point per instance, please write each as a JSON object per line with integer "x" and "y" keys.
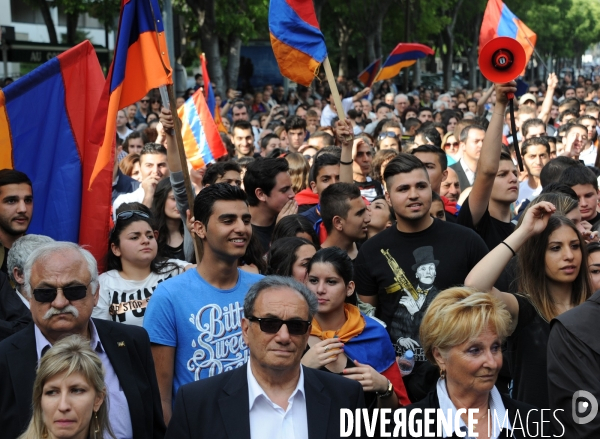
{"x": 69, "y": 309}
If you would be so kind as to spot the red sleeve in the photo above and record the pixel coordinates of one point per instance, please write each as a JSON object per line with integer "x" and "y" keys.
{"x": 393, "y": 374}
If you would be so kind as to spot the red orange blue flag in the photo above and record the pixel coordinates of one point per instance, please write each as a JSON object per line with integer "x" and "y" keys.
{"x": 499, "y": 21}
{"x": 297, "y": 41}
{"x": 141, "y": 63}
{"x": 209, "y": 95}
{"x": 45, "y": 121}
{"x": 367, "y": 76}
{"x": 403, "y": 55}
{"x": 201, "y": 139}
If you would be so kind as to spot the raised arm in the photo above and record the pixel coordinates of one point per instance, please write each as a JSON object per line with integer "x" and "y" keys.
{"x": 485, "y": 274}
{"x": 345, "y": 137}
{"x": 484, "y": 98}
{"x": 166, "y": 118}
{"x": 548, "y": 99}
{"x": 489, "y": 159}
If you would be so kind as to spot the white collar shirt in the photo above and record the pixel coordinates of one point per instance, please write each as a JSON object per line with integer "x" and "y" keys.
{"x": 118, "y": 408}
{"x": 497, "y": 413}
{"x": 470, "y": 174}
{"x": 268, "y": 420}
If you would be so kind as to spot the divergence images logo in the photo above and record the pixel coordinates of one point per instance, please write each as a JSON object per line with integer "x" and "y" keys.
{"x": 584, "y": 406}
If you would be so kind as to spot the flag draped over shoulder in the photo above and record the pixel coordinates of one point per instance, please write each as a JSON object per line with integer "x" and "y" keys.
{"x": 201, "y": 139}
{"x": 499, "y": 21}
{"x": 367, "y": 76}
{"x": 403, "y": 55}
{"x": 297, "y": 41}
{"x": 45, "y": 120}
{"x": 141, "y": 63}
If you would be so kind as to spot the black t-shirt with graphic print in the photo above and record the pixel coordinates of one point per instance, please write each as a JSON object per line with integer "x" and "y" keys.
{"x": 407, "y": 270}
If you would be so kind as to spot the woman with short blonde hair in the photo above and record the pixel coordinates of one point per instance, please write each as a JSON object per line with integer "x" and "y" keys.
{"x": 69, "y": 384}
{"x": 299, "y": 169}
{"x": 462, "y": 333}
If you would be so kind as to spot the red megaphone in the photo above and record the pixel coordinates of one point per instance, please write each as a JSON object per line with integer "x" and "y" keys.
{"x": 502, "y": 60}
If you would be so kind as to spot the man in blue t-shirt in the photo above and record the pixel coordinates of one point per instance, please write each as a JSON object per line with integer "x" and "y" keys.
{"x": 194, "y": 319}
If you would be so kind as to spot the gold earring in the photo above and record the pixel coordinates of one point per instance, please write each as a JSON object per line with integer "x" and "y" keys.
{"x": 97, "y": 429}
{"x": 443, "y": 374}
{"x": 45, "y": 432}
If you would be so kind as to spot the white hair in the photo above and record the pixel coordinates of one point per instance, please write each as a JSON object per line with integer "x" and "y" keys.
{"x": 20, "y": 251}
{"x": 46, "y": 250}
{"x": 439, "y": 105}
{"x": 401, "y": 95}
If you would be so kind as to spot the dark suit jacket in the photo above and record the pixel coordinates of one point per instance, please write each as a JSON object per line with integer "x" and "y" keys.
{"x": 218, "y": 407}
{"x": 573, "y": 364}
{"x": 531, "y": 423}
{"x": 462, "y": 177}
{"x": 133, "y": 365}
{"x": 14, "y": 315}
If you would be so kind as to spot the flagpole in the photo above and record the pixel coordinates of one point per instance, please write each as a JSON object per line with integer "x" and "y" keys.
{"x": 334, "y": 90}
{"x": 168, "y": 97}
{"x": 533, "y": 47}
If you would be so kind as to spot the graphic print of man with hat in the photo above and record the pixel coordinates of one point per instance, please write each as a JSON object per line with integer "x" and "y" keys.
{"x": 410, "y": 310}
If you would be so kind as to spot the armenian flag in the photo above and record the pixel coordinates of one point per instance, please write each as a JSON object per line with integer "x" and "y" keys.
{"x": 297, "y": 41}
{"x": 368, "y": 75}
{"x": 403, "y": 55}
{"x": 141, "y": 63}
{"x": 209, "y": 95}
{"x": 45, "y": 120}
{"x": 499, "y": 21}
{"x": 201, "y": 139}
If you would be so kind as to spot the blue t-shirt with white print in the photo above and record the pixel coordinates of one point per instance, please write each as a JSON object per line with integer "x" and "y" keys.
{"x": 202, "y": 323}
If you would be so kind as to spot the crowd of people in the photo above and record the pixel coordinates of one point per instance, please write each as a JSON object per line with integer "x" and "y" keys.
{"x": 318, "y": 255}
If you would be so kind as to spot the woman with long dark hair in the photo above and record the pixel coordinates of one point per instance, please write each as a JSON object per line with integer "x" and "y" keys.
{"x": 134, "y": 267}
{"x": 290, "y": 257}
{"x": 345, "y": 341}
{"x": 168, "y": 221}
{"x": 552, "y": 277}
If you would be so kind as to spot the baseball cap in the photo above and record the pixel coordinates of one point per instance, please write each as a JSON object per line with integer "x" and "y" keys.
{"x": 527, "y": 97}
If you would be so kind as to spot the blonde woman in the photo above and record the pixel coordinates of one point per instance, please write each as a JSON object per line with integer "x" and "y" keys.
{"x": 69, "y": 394}
{"x": 299, "y": 169}
{"x": 462, "y": 333}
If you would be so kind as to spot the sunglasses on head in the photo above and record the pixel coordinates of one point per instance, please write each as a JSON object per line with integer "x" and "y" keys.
{"x": 126, "y": 214}
{"x": 273, "y": 325}
{"x": 47, "y": 295}
{"x": 451, "y": 145}
{"x": 385, "y": 134}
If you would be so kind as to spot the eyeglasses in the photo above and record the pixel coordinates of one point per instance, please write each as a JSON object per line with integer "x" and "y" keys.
{"x": 385, "y": 134}
{"x": 47, "y": 295}
{"x": 272, "y": 325}
{"x": 452, "y": 145}
{"x": 145, "y": 101}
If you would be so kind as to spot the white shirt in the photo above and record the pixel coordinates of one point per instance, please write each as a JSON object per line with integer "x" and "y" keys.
{"x": 526, "y": 193}
{"x": 327, "y": 115}
{"x": 268, "y": 420}
{"x": 497, "y": 413}
{"x": 137, "y": 196}
{"x": 589, "y": 155}
{"x": 470, "y": 174}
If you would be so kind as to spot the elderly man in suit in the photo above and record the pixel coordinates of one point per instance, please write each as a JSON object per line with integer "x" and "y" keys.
{"x": 61, "y": 283}
{"x": 272, "y": 396}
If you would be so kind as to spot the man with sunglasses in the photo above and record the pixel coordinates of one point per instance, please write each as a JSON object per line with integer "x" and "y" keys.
{"x": 143, "y": 110}
{"x": 273, "y": 396}
{"x": 61, "y": 283}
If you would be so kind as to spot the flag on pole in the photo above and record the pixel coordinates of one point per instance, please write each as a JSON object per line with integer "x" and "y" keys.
{"x": 297, "y": 41}
{"x": 368, "y": 75}
{"x": 403, "y": 55}
{"x": 499, "y": 21}
{"x": 45, "y": 121}
{"x": 209, "y": 95}
{"x": 141, "y": 63}
{"x": 201, "y": 139}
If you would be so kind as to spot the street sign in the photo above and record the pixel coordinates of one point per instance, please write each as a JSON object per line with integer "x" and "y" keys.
{"x": 39, "y": 53}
